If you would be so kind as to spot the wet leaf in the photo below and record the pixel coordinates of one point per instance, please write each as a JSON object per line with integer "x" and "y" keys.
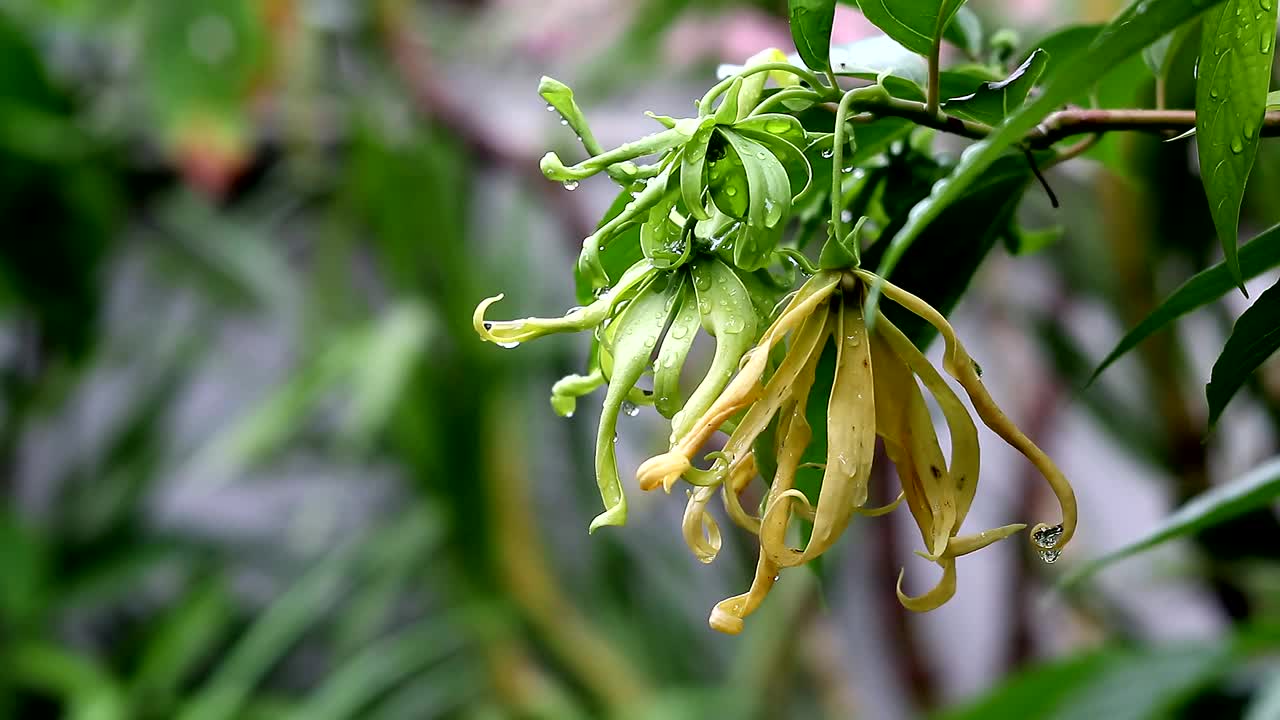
{"x": 1254, "y": 338}
{"x": 916, "y": 24}
{"x": 1256, "y": 257}
{"x": 1237, "y": 45}
{"x": 993, "y": 102}
{"x": 811, "y": 22}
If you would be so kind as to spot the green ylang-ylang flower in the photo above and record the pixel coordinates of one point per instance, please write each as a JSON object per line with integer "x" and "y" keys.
{"x": 649, "y": 312}
{"x": 875, "y": 392}
{"x": 711, "y": 212}
{"x": 732, "y": 172}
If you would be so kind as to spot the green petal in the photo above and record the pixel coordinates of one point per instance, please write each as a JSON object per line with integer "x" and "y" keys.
{"x": 634, "y": 334}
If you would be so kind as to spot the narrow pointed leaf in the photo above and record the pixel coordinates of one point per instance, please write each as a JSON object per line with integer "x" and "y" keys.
{"x": 1255, "y": 337}
{"x": 1257, "y": 256}
{"x": 1236, "y": 49}
{"x": 1255, "y": 489}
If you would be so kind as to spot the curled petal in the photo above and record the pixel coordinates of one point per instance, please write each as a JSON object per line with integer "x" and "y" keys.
{"x": 727, "y": 616}
{"x": 700, "y": 530}
{"x": 896, "y": 391}
{"x": 934, "y": 598}
{"x": 961, "y": 366}
{"x": 509, "y": 333}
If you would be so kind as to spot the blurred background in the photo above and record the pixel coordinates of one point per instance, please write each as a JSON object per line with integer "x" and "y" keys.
{"x": 254, "y": 463}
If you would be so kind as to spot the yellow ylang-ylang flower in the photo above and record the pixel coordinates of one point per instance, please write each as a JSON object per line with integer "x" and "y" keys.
{"x": 875, "y": 392}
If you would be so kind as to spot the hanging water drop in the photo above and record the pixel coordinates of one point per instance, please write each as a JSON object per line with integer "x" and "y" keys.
{"x": 630, "y": 409}
{"x": 570, "y": 185}
{"x": 826, "y": 154}
{"x": 551, "y": 108}
{"x": 1237, "y": 145}
{"x": 507, "y": 345}
{"x": 1050, "y": 556}
{"x": 846, "y": 216}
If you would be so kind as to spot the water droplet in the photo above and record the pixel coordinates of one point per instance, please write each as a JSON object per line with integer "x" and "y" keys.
{"x": 1047, "y": 537}
{"x": 1266, "y": 4}
{"x": 1213, "y": 93}
{"x": 1265, "y": 47}
{"x": 507, "y": 345}
{"x": 777, "y": 127}
{"x": 759, "y": 156}
{"x": 631, "y": 410}
{"x": 568, "y": 414}
{"x": 679, "y": 332}
{"x": 734, "y": 325}
{"x": 1237, "y": 145}
{"x": 570, "y": 185}
{"x": 826, "y": 154}
{"x": 977, "y": 368}
{"x": 563, "y": 121}
{"x": 551, "y": 108}
{"x": 1050, "y": 556}
{"x": 846, "y": 216}
{"x": 731, "y": 191}
{"x": 848, "y": 169}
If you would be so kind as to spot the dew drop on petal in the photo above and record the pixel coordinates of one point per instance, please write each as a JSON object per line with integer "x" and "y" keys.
{"x": 1050, "y": 556}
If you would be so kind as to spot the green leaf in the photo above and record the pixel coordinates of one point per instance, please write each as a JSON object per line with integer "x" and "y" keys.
{"x": 1256, "y": 257}
{"x": 993, "y": 102}
{"x": 184, "y": 637}
{"x": 1255, "y": 489}
{"x": 1135, "y": 28}
{"x": 916, "y": 24}
{"x": 1114, "y": 683}
{"x": 1236, "y": 49}
{"x": 1255, "y": 337}
{"x": 811, "y": 22}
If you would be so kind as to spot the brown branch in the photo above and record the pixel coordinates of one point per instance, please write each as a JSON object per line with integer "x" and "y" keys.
{"x": 1058, "y": 126}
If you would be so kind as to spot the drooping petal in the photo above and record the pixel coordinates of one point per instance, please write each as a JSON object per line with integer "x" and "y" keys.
{"x": 795, "y": 434}
{"x": 727, "y": 616}
{"x": 896, "y": 390}
{"x": 634, "y": 335}
{"x": 509, "y": 332}
{"x": 961, "y": 366}
{"x": 851, "y": 432}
